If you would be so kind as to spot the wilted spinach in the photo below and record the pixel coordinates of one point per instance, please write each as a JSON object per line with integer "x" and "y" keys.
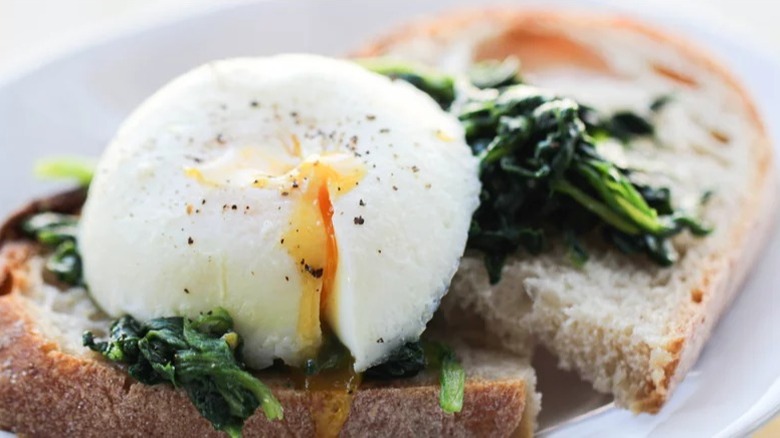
{"x": 540, "y": 170}
{"x": 200, "y": 356}
{"x": 411, "y": 358}
{"x": 58, "y": 231}
{"x": 406, "y": 361}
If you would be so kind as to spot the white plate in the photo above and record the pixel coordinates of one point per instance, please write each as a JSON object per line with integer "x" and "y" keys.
{"x": 73, "y": 104}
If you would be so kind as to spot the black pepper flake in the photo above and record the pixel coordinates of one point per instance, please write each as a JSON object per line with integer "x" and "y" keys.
{"x": 359, "y": 220}
{"x": 395, "y": 188}
{"x": 285, "y": 193}
{"x": 282, "y": 241}
{"x": 428, "y": 186}
{"x": 370, "y": 117}
{"x": 380, "y": 341}
{"x": 253, "y": 104}
{"x": 286, "y": 278}
{"x": 379, "y": 251}
{"x": 295, "y": 184}
{"x": 234, "y": 207}
{"x": 384, "y": 130}
{"x": 316, "y": 273}
{"x": 415, "y": 169}
{"x": 220, "y": 138}
{"x": 203, "y": 202}
{"x": 186, "y": 291}
{"x": 190, "y": 241}
{"x": 361, "y": 203}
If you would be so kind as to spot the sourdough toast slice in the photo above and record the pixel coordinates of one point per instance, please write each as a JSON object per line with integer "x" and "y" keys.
{"x": 52, "y": 386}
{"x": 631, "y": 327}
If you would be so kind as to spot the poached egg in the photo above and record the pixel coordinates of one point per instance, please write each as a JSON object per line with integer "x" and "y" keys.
{"x": 298, "y": 192}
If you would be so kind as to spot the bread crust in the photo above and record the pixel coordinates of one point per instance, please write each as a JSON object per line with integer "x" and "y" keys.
{"x": 726, "y": 272}
{"x": 46, "y": 392}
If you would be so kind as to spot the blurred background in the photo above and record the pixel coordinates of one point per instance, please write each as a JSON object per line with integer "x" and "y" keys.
{"x": 32, "y": 31}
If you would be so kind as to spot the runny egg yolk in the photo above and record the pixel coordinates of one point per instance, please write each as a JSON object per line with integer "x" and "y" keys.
{"x": 310, "y": 239}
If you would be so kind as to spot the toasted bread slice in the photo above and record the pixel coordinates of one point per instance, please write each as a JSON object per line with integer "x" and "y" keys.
{"x": 630, "y": 327}
{"x": 52, "y": 386}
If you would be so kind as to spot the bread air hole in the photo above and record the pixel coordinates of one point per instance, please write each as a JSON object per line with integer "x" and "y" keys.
{"x": 720, "y": 137}
{"x": 675, "y": 76}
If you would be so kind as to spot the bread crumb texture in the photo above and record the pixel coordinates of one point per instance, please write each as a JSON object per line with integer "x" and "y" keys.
{"x": 51, "y": 386}
{"x": 627, "y": 325}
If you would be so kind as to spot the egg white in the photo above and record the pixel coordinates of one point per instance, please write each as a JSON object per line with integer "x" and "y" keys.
{"x": 175, "y": 222}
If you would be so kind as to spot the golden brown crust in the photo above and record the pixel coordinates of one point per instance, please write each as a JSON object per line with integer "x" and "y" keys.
{"x": 538, "y": 38}
{"x": 47, "y": 392}
{"x": 546, "y": 25}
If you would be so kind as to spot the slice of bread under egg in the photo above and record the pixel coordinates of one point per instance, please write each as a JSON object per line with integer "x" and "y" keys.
{"x": 630, "y": 327}
{"x": 50, "y": 385}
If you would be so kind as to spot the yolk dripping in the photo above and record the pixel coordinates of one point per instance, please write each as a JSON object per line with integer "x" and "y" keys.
{"x": 311, "y": 240}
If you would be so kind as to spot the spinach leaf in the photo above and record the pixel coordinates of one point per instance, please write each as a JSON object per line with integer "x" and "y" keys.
{"x": 200, "y": 356}
{"x": 452, "y": 376}
{"x": 78, "y": 169}
{"x": 440, "y": 87}
{"x": 495, "y": 74}
{"x": 660, "y": 102}
{"x": 453, "y": 383}
{"x": 406, "y": 361}
{"x": 58, "y": 231}
{"x": 413, "y": 357}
